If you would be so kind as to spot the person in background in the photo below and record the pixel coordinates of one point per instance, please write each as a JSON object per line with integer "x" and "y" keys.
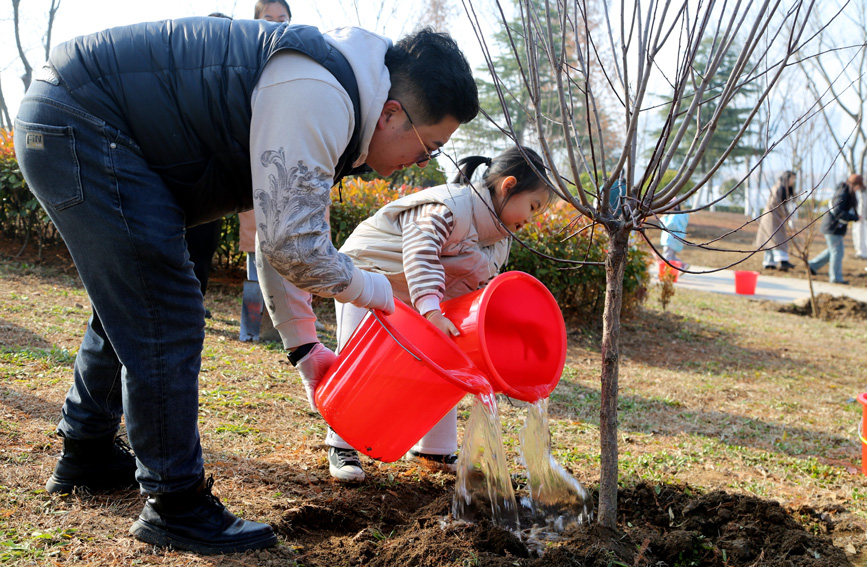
{"x": 434, "y": 245}
{"x": 772, "y": 235}
{"x": 251, "y": 114}
{"x": 859, "y": 227}
{"x": 673, "y": 227}
{"x": 272, "y": 11}
{"x": 842, "y": 211}
{"x": 247, "y": 243}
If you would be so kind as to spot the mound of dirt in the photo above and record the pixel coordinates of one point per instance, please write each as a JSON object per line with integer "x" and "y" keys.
{"x": 829, "y": 308}
{"x": 658, "y": 525}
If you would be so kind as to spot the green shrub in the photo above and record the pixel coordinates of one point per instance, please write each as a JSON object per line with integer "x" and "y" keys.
{"x": 228, "y": 253}
{"x": 21, "y": 215}
{"x": 428, "y": 176}
{"x": 357, "y": 200}
{"x": 579, "y": 289}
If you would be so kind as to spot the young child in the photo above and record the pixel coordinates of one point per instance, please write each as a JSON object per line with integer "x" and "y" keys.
{"x": 674, "y": 228}
{"x": 434, "y": 245}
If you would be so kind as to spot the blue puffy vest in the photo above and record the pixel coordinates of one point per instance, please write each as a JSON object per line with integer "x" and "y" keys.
{"x": 181, "y": 89}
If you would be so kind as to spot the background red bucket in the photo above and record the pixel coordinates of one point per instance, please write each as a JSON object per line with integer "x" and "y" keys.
{"x": 513, "y": 330}
{"x": 666, "y": 269}
{"x": 745, "y": 282}
{"x": 395, "y": 379}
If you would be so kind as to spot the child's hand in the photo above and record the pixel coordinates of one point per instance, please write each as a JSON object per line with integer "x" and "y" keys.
{"x": 442, "y": 323}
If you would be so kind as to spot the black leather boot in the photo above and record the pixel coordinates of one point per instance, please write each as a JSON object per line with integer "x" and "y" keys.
{"x": 195, "y": 520}
{"x": 95, "y": 464}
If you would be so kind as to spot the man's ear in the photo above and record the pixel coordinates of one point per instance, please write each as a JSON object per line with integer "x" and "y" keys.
{"x": 390, "y": 110}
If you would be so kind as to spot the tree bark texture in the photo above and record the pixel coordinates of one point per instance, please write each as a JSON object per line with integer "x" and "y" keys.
{"x": 615, "y": 266}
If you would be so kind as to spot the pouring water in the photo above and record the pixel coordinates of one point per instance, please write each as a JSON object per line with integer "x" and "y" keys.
{"x": 483, "y": 488}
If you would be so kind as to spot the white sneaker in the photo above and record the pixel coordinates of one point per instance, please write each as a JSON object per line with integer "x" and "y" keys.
{"x": 447, "y": 463}
{"x": 343, "y": 464}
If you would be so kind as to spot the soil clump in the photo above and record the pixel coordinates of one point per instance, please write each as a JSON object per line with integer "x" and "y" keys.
{"x": 829, "y": 308}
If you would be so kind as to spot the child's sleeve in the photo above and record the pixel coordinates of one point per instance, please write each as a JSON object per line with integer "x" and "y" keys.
{"x": 425, "y": 230}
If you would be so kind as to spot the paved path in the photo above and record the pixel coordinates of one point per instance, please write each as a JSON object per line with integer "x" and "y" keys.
{"x": 774, "y": 288}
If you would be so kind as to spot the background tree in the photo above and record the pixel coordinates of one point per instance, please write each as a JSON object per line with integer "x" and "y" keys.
{"x": 657, "y": 43}
{"x": 838, "y": 79}
{"x": 506, "y": 102}
{"x": 437, "y": 14}
{"x": 729, "y": 119}
{"x": 27, "y": 75}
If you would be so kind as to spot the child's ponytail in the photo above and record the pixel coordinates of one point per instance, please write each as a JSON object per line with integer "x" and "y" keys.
{"x": 468, "y": 166}
{"x": 524, "y": 164}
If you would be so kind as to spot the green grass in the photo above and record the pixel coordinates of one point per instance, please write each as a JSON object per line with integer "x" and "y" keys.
{"x": 21, "y": 544}
{"x": 54, "y": 356}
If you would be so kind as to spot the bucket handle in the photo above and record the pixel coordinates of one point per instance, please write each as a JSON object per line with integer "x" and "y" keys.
{"x": 861, "y": 431}
{"x": 390, "y": 334}
{"x": 444, "y": 374}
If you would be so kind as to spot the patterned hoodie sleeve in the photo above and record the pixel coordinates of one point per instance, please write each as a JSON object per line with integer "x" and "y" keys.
{"x": 299, "y": 130}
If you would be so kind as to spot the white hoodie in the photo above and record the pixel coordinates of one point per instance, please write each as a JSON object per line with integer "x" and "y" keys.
{"x": 302, "y": 122}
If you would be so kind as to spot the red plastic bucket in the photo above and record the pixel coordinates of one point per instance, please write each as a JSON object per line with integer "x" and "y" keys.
{"x": 745, "y": 282}
{"x": 862, "y": 398}
{"x": 385, "y": 391}
{"x": 513, "y": 331}
{"x": 666, "y": 269}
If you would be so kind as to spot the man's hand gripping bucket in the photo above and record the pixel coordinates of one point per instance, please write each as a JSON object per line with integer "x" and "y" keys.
{"x": 385, "y": 391}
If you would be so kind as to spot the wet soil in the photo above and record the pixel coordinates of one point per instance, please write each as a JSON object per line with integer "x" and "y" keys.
{"x": 658, "y": 526}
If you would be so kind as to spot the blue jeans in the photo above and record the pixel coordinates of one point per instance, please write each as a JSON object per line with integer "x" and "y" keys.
{"x": 833, "y": 254}
{"x": 141, "y": 352}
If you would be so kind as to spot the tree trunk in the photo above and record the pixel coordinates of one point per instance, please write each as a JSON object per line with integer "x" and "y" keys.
{"x": 814, "y": 309}
{"x": 5, "y": 119}
{"x": 615, "y": 266}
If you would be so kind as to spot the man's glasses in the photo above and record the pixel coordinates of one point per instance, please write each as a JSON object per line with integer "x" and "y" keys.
{"x": 428, "y": 155}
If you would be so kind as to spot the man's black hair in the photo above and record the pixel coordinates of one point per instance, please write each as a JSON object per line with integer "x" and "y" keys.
{"x": 430, "y": 75}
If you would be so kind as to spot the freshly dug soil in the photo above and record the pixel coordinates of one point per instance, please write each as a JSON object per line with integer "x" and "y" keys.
{"x": 829, "y": 308}
{"x": 658, "y": 525}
